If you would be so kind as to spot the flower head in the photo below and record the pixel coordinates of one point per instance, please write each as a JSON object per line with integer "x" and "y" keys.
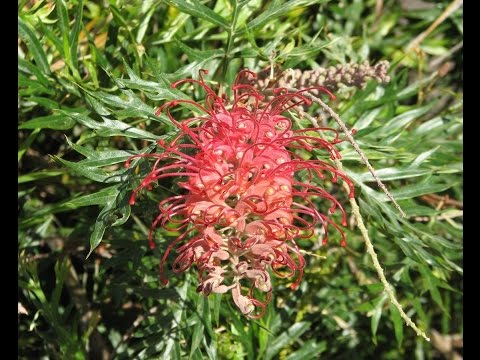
{"x": 247, "y": 192}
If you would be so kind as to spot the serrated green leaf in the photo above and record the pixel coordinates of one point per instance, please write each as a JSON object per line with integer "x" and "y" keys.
{"x": 92, "y": 173}
{"x": 100, "y": 197}
{"x": 97, "y": 106}
{"x": 132, "y": 105}
{"x": 115, "y": 212}
{"x": 106, "y": 158}
{"x": 110, "y": 127}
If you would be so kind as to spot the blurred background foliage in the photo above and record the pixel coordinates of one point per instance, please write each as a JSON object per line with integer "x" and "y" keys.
{"x": 90, "y": 76}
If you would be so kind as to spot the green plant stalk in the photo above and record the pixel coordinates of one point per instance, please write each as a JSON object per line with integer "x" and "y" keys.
{"x": 231, "y": 36}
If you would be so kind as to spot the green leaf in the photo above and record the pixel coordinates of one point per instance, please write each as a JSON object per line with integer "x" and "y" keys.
{"x": 94, "y": 173}
{"x": 29, "y": 68}
{"x": 435, "y": 124}
{"x": 131, "y": 106}
{"x": 29, "y": 86}
{"x": 276, "y": 9}
{"x": 110, "y": 127}
{"x": 115, "y": 212}
{"x": 100, "y": 197}
{"x": 395, "y": 173}
{"x": 64, "y": 22}
{"x": 309, "y": 350}
{"x": 198, "y": 55}
{"x": 367, "y": 118}
{"x": 110, "y": 157}
{"x": 55, "y": 122}
{"x": 432, "y": 282}
{"x": 207, "y": 316}
{"x": 34, "y": 46}
{"x": 144, "y": 24}
{"x": 197, "y": 9}
{"x": 107, "y": 157}
{"x": 420, "y": 159}
{"x": 54, "y": 39}
{"x": 216, "y": 302}
{"x": 293, "y": 333}
{"x": 197, "y": 337}
{"x": 98, "y": 231}
{"x": 61, "y": 273}
{"x": 402, "y": 120}
{"x": 34, "y": 176}
{"x": 75, "y": 33}
{"x": 118, "y": 128}
{"x": 45, "y": 102}
{"x": 415, "y": 190}
{"x": 397, "y": 324}
{"x": 377, "y": 313}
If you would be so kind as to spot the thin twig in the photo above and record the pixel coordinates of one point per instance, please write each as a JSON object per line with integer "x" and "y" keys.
{"x": 129, "y": 333}
{"x": 434, "y": 199}
{"x": 370, "y": 249}
{"x": 378, "y": 8}
{"x": 355, "y": 145}
{"x": 376, "y": 264}
{"x": 415, "y": 43}
{"x": 437, "y": 61}
{"x": 446, "y": 216}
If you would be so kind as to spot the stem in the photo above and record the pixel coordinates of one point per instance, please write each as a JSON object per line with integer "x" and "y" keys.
{"x": 352, "y": 141}
{"x": 370, "y": 249}
{"x": 415, "y": 43}
{"x": 231, "y": 35}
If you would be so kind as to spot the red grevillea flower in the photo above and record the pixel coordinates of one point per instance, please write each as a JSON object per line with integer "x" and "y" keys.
{"x": 247, "y": 193}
